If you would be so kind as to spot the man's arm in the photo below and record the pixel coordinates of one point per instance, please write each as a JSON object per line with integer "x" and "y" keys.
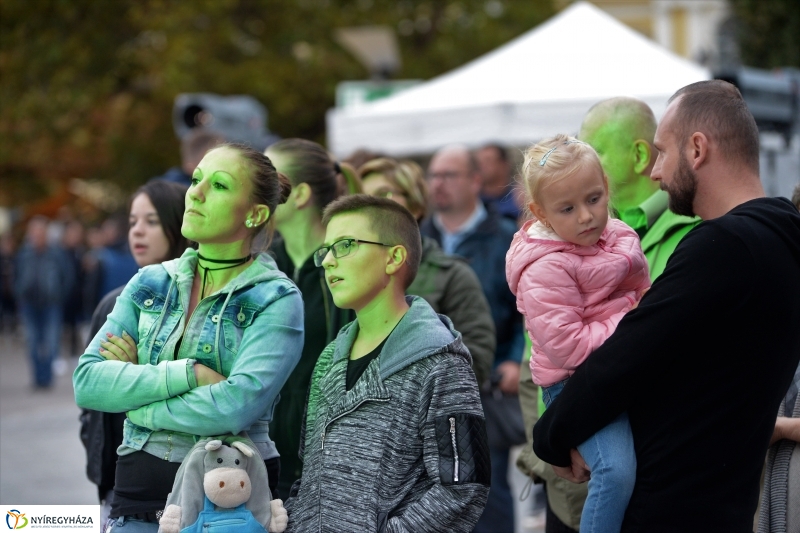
{"x": 707, "y": 274}
{"x": 786, "y": 428}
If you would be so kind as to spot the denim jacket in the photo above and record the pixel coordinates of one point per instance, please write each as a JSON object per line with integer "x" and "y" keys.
{"x": 250, "y": 331}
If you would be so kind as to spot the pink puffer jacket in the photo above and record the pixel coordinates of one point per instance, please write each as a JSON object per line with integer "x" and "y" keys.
{"x": 573, "y": 296}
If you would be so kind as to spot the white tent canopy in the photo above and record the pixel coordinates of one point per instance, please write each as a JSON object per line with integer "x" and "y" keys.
{"x": 539, "y": 84}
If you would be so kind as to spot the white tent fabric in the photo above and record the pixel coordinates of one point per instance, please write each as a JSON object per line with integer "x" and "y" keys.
{"x": 539, "y": 84}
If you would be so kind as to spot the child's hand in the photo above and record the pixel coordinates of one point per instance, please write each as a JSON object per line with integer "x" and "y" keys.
{"x": 578, "y": 472}
{"x": 640, "y": 299}
{"x": 119, "y": 348}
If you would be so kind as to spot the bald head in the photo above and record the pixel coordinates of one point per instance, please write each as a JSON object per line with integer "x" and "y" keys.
{"x": 457, "y": 152}
{"x": 634, "y": 117}
{"x": 621, "y": 130}
{"x": 716, "y": 109}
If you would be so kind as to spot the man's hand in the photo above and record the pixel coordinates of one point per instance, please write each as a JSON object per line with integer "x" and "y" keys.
{"x": 578, "y": 472}
{"x": 509, "y": 382}
{"x": 786, "y": 428}
{"x": 206, "y": 376}
{"x": 119, "y": 348}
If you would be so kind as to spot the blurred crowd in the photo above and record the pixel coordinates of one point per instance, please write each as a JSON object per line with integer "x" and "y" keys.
{"x": 54, "y": 277}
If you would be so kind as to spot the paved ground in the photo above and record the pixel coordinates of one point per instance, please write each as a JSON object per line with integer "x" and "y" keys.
{"x": 42, "y": 460}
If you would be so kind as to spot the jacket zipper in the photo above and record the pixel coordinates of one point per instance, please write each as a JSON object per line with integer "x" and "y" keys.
{"x": 455, "y": 448}
{"x": 322, "y": 458}
{"x": 340, "y": 415}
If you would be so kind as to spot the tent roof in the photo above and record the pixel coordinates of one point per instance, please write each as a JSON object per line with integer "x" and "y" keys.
{"x": 555, "y": 71}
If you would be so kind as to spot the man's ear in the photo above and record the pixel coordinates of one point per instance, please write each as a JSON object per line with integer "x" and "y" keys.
{"x": 259, "y": 215}
{"x": 698, "y": 149}
{"x": 642, "y": 156}
{"x": 396, "y": 259}
{"x": 301, "y": 195}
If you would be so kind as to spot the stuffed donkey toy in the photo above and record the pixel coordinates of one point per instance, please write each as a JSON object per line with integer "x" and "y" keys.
{"x": 224, "y": 485}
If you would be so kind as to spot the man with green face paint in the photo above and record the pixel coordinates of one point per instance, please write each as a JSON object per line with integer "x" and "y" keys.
{"x": 621, "y": 130}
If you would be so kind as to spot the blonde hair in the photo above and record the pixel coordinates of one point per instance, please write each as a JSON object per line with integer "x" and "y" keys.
{"x": 405, "y": 175}
{"x": 552, "y": 160}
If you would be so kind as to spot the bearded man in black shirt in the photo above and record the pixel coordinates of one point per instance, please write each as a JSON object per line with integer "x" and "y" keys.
{"x": 702, "y": 364}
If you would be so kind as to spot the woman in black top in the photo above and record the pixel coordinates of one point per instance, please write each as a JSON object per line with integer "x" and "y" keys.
{"x": 154, "y": 235}
{"x": 316, "y": 181}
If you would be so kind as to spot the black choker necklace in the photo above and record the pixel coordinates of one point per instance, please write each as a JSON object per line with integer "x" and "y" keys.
{"x": 230, "y": 262}
{"x": 234, "y": 262}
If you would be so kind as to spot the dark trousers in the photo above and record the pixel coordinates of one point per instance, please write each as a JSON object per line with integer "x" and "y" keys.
{"x": 43, "y": 331}
{"x": 498, "y": 516}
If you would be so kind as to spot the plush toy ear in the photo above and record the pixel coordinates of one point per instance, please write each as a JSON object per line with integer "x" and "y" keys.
{"x": 187, "y": 490}
{"x": 213, "y": 445}
{"x": 242, "y": 447}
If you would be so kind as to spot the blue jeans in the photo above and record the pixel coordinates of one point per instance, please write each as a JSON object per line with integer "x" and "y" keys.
{"x": 610, "y": 456}
{"x": 43, "y": 329}
{"x": 124, "y": 524}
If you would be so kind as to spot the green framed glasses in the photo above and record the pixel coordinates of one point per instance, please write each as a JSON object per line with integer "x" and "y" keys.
{"x": 341, "y": 248}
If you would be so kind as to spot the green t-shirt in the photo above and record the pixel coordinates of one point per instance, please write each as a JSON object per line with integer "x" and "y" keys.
{"x": 660, "y": 228}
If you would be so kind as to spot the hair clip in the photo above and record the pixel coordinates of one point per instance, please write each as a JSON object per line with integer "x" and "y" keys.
{"x": 543, "y": 160}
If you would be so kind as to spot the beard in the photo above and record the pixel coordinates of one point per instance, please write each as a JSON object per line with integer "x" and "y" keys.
{"x": 683, "y": 189}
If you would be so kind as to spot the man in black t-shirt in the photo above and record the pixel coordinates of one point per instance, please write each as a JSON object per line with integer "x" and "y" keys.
{"x": 720, "y": 324}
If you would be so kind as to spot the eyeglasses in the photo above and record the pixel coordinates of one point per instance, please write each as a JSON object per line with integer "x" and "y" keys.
{"x": 387, "y": 193}
{"x": 341, "y": 249}
{"x": 445, "y": 176}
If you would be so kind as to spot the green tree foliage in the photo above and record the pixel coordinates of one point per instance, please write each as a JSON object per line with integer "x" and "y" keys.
{"x": 87, "y": 86}
{"x": 769, "y": 32}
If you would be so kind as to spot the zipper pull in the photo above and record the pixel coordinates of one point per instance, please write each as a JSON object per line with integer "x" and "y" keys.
{"x": 455, "y": 448}
{"x": 323, "y": 439}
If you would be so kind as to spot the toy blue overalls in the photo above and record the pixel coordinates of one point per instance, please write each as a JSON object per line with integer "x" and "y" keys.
{"x": 237, "y": 520}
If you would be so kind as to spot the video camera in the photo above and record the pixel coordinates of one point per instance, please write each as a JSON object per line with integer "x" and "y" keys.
{"x": 240, "y": 118}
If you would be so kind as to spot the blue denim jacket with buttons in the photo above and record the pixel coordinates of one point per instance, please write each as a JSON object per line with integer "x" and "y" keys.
{"x": 250, "y": 331}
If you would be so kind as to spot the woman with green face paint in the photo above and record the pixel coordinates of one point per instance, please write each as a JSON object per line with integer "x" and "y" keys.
{"x": 198, "y": 346}
{"x": 316, "y": 181}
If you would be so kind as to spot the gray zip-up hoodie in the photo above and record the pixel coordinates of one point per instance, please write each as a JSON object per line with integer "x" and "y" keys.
{"x": 405, "y": 449}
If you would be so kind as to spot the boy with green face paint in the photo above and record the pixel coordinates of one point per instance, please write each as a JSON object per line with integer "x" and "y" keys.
{"x": 394, "y": 437}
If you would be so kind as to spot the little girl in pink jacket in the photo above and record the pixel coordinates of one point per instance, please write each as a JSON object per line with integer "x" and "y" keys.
{"x": 575, "y": 273}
